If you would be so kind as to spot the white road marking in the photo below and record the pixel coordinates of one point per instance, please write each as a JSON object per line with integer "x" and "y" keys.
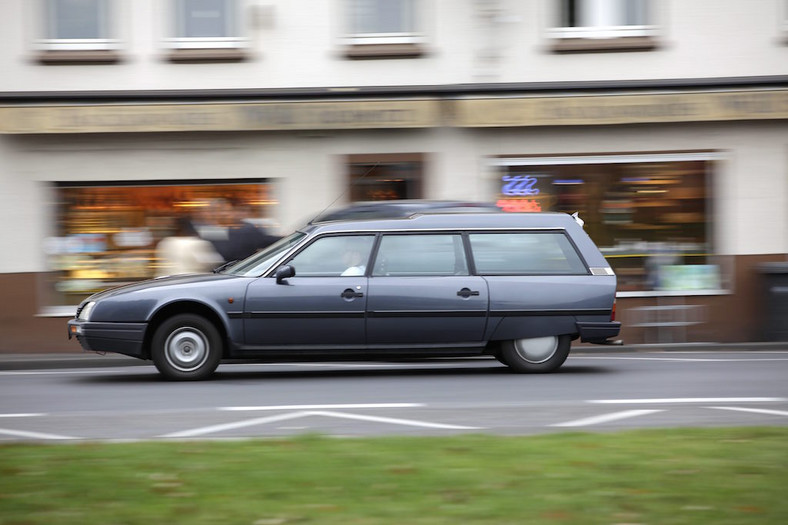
{"x": 233, "y": 426}
{"x": 754, "y": 410}
{"x": 682, "y": 359}
{"x": 34, "y": 435}
{"x": 393, "y": 421}
{"x": 71, "y": 372}
{"x": 296, "y": 415}
{"x": 22, "y": 415}
{"x": 605, "y": 418}
{"x": 320, "y": 407}
{"x": 686, "y": 400}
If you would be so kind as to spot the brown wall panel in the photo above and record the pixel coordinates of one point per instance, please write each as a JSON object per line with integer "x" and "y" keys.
{"x": 731, "y": 318}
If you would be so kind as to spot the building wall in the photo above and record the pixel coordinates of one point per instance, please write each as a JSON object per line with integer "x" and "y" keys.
{"x": 298, "y": 43}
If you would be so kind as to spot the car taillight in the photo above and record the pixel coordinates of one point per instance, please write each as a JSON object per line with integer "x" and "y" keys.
{"x": 613, "y": 311}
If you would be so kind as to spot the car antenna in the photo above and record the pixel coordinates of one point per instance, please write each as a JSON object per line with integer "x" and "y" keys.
{"x": 321, "y": 212}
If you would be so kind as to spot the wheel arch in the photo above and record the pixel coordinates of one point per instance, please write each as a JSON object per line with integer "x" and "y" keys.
{"x": 184, "y": 307}
{"x": 520, "y": 327}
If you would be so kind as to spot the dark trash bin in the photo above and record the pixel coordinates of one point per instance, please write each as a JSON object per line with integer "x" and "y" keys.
{"x": 774, "y": 276}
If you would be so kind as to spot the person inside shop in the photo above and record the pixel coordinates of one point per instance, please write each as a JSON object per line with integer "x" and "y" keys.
{"x": 244, "y": 238}
{"x": 185, "y": 252}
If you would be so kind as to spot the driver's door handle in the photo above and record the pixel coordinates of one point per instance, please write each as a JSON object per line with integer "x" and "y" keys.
{"x": 350, "y": 294}
{"x": 467, "y": 292}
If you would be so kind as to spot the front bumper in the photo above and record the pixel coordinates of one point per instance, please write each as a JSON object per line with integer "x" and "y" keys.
{"x": 598, "y": 332}
{"x": 121, "y": 338}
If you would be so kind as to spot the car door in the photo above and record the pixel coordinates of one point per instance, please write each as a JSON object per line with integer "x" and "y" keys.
{"x": 421, "y": 292}
{"x": 322, "y": 305}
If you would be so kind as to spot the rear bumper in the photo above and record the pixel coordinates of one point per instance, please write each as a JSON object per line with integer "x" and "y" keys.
{"x": 598, "y": 332}
{"x": 121, "y": 338}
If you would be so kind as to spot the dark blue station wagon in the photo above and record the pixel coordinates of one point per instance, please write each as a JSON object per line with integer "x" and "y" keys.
{"x": 519, "y": 287}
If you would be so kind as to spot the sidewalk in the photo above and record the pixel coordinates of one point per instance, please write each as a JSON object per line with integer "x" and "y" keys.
{"x": 19, "y": 361}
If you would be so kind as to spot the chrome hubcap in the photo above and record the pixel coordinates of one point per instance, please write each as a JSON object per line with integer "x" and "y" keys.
{"x": 186, "y": 349}
{"x": 537, "y": 349}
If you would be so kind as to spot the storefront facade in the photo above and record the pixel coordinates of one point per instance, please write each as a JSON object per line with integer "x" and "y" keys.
{"x": 685, "y": 190}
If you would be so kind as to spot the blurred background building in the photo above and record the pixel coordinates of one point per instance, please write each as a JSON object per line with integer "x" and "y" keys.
{"x": 663, "y": 122}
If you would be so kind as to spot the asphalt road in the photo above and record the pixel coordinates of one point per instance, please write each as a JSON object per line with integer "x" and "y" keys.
{"x": 592, "y": 392}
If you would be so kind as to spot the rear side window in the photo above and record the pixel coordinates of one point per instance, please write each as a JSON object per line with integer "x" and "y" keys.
{"x": 525, "y": 253}
{"x": 412, "y": 255}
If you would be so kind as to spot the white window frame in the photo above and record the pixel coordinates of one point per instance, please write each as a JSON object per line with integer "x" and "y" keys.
{"x": 602, "y": 24}
{"x": 225, "y": 42}
{"x": 413, "y": 36}
{"x": 107, "y": 19}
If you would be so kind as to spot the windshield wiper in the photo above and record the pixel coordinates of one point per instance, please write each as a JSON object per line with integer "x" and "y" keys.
{"x": 224, "y": 266}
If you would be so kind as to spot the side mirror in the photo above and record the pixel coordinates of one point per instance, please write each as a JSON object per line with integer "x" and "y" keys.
{"x": 284, "y": 272}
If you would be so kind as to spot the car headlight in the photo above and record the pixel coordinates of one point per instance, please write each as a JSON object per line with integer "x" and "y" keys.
{"x": 84, "y": 314}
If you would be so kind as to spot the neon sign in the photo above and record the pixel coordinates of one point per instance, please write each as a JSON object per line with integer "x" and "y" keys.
{"x": 519, "y": 205}
{"x": 519, "y": 186}
{"x": 516, "y": 187}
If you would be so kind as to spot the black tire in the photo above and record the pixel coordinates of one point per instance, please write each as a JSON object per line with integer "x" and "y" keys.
{"x": 537, "y": 355}
{"x": 186, "y": 347}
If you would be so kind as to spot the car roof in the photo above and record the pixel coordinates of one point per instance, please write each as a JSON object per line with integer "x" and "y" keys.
{"x": 401, "y": 208}
{"x": 450, "y": 221}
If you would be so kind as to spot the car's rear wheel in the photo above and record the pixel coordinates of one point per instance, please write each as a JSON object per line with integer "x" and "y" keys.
{"x": 536, "y": 354}
{"x": 186, "y": 347}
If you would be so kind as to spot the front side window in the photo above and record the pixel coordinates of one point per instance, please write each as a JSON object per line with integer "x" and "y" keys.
{"x": 335, "y": 256}
{"x": 206, "y": 24}
{"x": 525, "y": 253}
{"x": 419, "y": 255}
{"x": 78, "y": 25}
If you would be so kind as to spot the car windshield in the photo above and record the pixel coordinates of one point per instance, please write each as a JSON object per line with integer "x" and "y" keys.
{"x": 261, "y": 261}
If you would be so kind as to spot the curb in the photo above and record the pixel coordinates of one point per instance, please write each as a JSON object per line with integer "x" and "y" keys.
{"x": 20, "y": 361}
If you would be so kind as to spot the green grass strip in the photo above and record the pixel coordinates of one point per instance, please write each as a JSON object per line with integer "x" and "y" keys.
{"x": 719, "y": 476}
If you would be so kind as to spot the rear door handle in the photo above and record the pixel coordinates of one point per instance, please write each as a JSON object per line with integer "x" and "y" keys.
{"x": 350, "y": 294}
{"x": 467, "y": 292}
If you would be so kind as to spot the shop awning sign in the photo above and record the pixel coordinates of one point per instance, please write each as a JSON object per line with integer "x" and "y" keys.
{"x": 470, "y": 112}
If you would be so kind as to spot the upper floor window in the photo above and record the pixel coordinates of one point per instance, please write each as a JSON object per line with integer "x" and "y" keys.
{"x": 78, "y": 25}
{"x": 589, "y": 25}
{"x": 391, "y": 26}
{"x": 206, "y": 30}
{"x": 784, "y": 20}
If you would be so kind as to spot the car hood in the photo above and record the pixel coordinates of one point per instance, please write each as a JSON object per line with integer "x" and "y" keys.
{"x": 161, "y": 282}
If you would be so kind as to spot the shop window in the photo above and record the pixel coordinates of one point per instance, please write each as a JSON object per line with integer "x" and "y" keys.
{"x": 206, "y": 30}
{"x": 383, "y": 29}
{"x": 78, "y": 31}
{"x": 385, "y": 177}
{"x": 649, "y": 215}
{"x": 106, "y": 233}
{"x": 604, "y": 25}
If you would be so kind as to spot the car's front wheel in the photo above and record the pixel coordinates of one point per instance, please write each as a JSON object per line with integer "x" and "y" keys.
{"x": 536, "y": 354}
{"x": 186, "y": 347}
